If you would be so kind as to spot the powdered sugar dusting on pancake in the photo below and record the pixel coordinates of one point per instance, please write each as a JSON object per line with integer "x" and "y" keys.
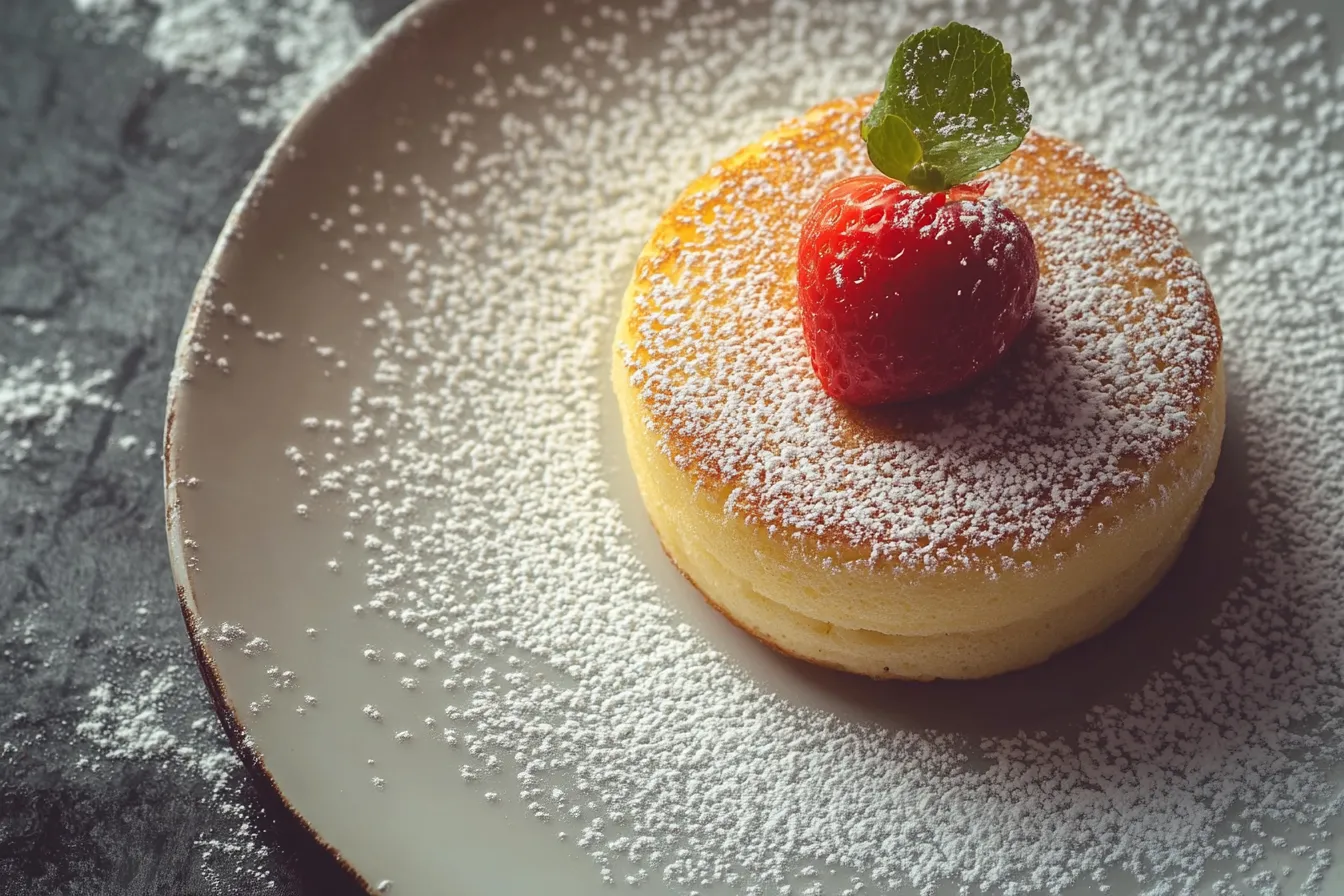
{"x": 1107, "y": 379}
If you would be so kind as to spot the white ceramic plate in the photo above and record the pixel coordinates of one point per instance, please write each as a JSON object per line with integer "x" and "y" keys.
{"x": 268, "y": 588}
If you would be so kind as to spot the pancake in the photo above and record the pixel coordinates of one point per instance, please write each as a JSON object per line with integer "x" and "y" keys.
{"x": 955, "y": 537}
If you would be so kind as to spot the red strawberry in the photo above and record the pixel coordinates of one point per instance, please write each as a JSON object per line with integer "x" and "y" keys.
{"x": 905, "y": 294}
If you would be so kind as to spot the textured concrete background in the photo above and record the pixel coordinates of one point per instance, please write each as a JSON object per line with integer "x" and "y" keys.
{"x": 115, "y": 177}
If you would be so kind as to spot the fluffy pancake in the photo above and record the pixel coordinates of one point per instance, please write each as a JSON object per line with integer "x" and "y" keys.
{"x": 956, "y": 537}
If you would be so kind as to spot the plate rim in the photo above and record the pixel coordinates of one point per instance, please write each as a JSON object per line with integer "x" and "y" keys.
{"x": 380, "y": 44}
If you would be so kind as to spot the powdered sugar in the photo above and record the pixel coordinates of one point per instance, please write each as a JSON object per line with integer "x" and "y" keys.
{"x": 38, "y": 398}
{"x": 134, "y": 721}
{"x": 233, "y": 42}
{"x": 472, "y": 471}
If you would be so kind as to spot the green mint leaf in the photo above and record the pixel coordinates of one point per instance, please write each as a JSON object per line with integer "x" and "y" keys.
{"x": 953, "y": 91}
{"x": 893, "y": 147}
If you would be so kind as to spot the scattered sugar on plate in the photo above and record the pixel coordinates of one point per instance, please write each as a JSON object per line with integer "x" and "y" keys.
{"x": 481, "y": 495}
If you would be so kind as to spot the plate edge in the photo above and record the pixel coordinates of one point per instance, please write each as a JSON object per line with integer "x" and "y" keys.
{"x": 382, "y": 42}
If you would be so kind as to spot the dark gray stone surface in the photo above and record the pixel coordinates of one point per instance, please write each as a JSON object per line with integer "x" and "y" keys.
{"x": 115, "y": 178}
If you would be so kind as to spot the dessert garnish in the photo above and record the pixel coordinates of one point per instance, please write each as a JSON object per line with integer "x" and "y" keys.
{"x": 912, "y": 281}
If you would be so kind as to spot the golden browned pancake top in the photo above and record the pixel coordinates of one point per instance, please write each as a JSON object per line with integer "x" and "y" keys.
{"x": 1108, "y": 377}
